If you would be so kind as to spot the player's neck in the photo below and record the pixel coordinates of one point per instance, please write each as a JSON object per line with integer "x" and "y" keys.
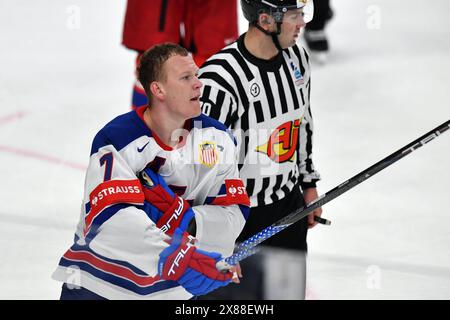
{"x": 259, "y": 44}
{"x": 163, "y": 126}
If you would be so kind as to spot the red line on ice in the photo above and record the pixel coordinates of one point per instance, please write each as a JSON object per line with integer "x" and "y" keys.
{"x": 42, "y": 157}
{"x": 11, "y": 117}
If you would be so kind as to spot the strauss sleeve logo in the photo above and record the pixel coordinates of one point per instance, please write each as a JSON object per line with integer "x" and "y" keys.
{"x": 235, "y": 194}
{"x": 236, "y": 188}
{"x": 282, "y": 143}
{"x": 232, "y": 190}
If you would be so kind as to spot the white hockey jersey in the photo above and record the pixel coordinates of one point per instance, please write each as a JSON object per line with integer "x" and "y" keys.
{"x": 117, "y": 246}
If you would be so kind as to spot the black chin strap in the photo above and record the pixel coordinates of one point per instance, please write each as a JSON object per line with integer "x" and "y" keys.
{"x": 262, "y": 29}
{"x": 274, "y": 35}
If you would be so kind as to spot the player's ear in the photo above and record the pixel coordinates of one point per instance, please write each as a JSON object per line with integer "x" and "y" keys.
{"x": 265, "y": 20}
{"x": 157, "y": 90}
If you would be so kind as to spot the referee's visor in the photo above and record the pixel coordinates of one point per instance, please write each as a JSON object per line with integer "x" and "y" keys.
{"x": 277, "y": 10}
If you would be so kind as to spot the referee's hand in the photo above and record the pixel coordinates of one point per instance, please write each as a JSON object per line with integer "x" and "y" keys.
{"x": 310, "y": 195}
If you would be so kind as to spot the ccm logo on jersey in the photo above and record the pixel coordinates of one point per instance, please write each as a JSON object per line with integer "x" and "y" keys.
{"x": 112, "y": 192}
{"x": 175, "y": 216}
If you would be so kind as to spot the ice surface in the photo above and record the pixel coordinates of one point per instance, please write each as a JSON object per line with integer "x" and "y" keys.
{"x": 385, "y": 83}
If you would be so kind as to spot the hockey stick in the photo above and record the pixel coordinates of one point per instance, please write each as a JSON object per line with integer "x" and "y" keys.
{"x": 247, "y": 248}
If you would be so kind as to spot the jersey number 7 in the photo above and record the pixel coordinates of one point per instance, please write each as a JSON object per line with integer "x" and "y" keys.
{"x": 107, "y": 160}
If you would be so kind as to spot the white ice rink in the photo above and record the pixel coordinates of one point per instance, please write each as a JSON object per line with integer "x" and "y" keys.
{"x": 64, "y": 74}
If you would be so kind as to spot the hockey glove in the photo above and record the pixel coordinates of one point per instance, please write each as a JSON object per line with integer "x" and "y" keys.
{"x": 194, "y": 269}
{"x": 165, "y": 208}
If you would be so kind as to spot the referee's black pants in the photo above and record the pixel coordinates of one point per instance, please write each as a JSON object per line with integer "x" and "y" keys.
{"x": 252, "y": 286}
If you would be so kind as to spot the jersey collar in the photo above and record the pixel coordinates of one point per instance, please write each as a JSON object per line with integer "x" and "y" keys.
{"x": 187, "y": 126}
{"x": 266, "y": 65}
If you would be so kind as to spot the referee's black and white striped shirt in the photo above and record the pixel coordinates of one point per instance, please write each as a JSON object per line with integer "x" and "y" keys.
{"x": 266, "y": 106}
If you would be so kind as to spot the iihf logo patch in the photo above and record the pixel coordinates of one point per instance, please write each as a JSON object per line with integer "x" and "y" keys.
{"x": 208, "y": 153}
{"x": 297, "y": 75}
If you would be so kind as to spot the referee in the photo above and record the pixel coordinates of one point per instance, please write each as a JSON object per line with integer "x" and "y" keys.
{"x": 259, "y": 87}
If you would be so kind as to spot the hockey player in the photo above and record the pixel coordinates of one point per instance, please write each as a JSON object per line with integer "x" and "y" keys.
{"x": 259, "y": 87}
{"x": 132, "y": 241}
{"x": 202, "y": 27}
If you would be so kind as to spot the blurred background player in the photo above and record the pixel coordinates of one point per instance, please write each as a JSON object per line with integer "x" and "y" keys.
{"x": 259, "y": 87}
{"x": 202, "y": 27}
{"x": 315, "y": 36}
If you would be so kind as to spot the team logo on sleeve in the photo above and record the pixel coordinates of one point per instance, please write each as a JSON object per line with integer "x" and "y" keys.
{"x": 112, "y": 192}
{"x": 236, "y": 193}
{"x": 282, "y": 142}
{"x": 208, "y": 153}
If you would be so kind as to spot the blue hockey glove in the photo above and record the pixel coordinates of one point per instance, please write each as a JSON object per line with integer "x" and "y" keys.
{"x": 194, "y": 269}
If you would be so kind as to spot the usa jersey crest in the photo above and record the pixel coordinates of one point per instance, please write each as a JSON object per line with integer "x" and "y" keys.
{"x": 208, "y": 153}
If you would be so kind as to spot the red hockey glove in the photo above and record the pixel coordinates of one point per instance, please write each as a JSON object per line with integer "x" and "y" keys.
{"x": 165, "y": 208}
{"x": 194, "y": 269}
